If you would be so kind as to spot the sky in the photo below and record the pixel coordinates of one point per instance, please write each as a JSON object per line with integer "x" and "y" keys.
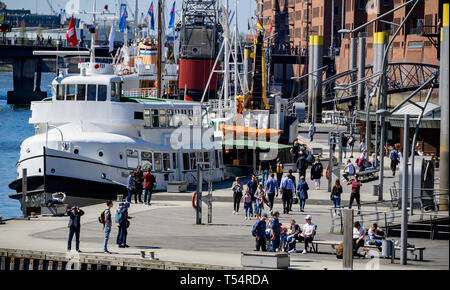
{"x": 245, "y": 7}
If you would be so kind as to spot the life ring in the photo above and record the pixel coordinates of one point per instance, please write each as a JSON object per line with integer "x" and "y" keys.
{"x": 194, "y": 196}
{"x": 327, "y": 172}
{"x": 125, "y": 71}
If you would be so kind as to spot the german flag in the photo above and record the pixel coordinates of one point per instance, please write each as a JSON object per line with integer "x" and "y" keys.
{"x": 259, "y": 25}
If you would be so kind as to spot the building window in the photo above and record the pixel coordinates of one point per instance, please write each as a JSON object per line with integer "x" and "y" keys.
{"x": 186, "y": 165}
{"x": 193, "y": 160}
{"x": 60, "y": 92}
{"x": 174, "y": 160}
{"x": 147, "y": 118}
{"x": 158, "y": 162}
{"x": 155, "y": 118}
{"x": 102, "y": 92}
{"x": 81, "y": 92}
{"x": 132, "y": 158}
{"x": 146, "y": 160}
{"x": 91, "y": 92}
{"x": 166, "y": 161}
{"x": 70, "y": 93}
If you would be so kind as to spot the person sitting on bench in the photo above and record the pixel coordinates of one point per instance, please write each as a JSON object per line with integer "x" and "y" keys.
{"x": 308, "y": 233}
{"x": 358, "y": 237}
{"x": 376, "y": 235}
{"x": 293, "y": 236}
{"x": 57, "y": 198}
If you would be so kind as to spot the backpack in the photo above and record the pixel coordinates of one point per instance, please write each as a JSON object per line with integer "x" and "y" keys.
{"x": 118, "y": 217}
{"x": 394, "y": 155}
{"x": 340, "y": 251}
{"x": 360, "y": 162}
{"x": 101, "y": 218}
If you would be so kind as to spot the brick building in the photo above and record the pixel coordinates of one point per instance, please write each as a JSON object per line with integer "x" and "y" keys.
{"x": 417, "y": 42}
{"x": 293, "y": 21}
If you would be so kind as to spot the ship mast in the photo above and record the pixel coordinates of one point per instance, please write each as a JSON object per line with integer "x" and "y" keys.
{"x": 159, "y": 48}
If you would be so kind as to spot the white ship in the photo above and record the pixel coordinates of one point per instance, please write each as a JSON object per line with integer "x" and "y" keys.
{"x": 91, "y": 133}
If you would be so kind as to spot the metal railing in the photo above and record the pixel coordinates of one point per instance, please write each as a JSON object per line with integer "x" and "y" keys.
{"x": 140, "y": 93}
{"x": 366, "y": 216}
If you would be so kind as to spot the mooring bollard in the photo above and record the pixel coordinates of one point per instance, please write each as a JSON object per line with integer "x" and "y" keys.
{"x": 142, "y": 254}
{"x": 152, "y": 255}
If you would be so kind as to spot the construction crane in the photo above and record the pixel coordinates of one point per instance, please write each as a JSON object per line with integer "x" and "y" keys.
{"x": 51, "y": 7}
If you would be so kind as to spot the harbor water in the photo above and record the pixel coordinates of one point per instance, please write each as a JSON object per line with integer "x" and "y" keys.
{"x": 14, "y": 128}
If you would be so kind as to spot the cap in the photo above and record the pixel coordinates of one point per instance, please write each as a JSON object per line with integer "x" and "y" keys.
{"x": 120, "y": 204}
{"x": 265, "y": 215}
{"x": 308, "y": 217}
{"x": 127, "y": 204}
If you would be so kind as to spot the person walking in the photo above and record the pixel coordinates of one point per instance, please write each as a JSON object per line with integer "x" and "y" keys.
{"x": 264, "y": 168}
{"x": 237, "y": 195}
{"x": 253, "y": 186}
{"x": 260, "y": 198}
{"x": 131, "y": 185}
{"x": 295, "y": 151}
{"x": 292, "y": 177}
{"x": 351, "y": 144}
{"x": 302, "y": 189}
{"x": 355, "y": 195}
{"x": 149, "y": 184}
{"x": 336, "y": 193}
{"x": 75, "y": 214}
{"x": 317, "y": 173}
{"x": 259, "y": 230}
{"x": 393, "y": 155}
{"x": 107, "y": 225}
{"x": 247, "y": 204}
{"x": 139, "y": 179}
{"x": 344, "y": 142}
{"x": 279, "y": 170}
{"x": 287, "y": 189}
{"x": 122, "y": 219}
{"x": 275, "y": 231}
{"x": 271, "y": 189}
{"x": 311, "y": 131}
{"x": 302, "y": 165}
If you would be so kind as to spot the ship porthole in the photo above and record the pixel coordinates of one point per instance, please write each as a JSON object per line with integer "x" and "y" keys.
{"x": 39, "y": 170}
{"x": 52, "y": 170}
{"x": 100, "y": 153}
{"x": 76, "y": 151}
{"x": 120, "y": 156}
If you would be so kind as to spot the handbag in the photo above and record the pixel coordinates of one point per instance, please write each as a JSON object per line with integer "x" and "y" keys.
{"x": 295, "y": 201}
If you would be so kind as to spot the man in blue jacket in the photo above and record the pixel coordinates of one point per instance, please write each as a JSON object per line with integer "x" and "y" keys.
{"x": 75, "y": 214}
{"x": 260, "y": 230}
{"x": 123, "y": 225}
{"x": 275, "y": 232}
{"x": 253, "y": 186}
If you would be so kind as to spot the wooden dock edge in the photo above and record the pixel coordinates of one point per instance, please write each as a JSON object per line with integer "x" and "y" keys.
{"x": 16, "y": 259}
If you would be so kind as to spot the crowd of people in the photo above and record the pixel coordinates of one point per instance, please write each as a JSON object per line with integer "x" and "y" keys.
{"x": 280, "y": 238}
{"x": 121, "y": 218}
{"x": 138, "y": 183}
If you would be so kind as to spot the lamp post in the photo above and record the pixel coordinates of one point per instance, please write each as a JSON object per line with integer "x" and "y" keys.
{"x": 383, "y": 113}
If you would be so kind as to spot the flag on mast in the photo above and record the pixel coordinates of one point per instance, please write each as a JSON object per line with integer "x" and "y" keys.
{"x": 259, "y": 25}
{"x": 71, "y": 34}
{"x": 172, "y": 15}
{"x": 112, "y": 36}
{"x": 123, "y": 20}
{"x": 186, "y": 97}
{"x": 152, "y": 18}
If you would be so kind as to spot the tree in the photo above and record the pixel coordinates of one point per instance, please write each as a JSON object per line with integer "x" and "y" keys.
{"x": 23, "y": 33}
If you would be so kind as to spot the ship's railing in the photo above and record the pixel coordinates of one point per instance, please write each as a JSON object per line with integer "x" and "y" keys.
{"x": 140, "y": 93}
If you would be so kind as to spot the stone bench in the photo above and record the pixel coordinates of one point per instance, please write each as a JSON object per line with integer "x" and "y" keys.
{"x": 273, "y": 260}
